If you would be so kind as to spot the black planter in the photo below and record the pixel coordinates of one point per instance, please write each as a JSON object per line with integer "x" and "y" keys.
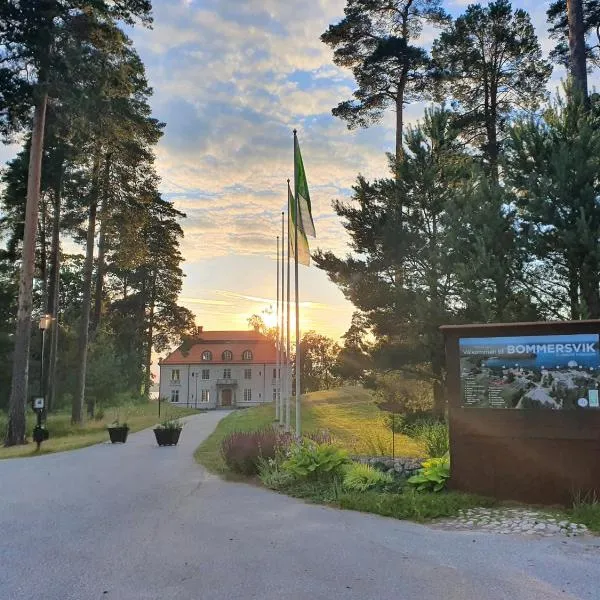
{"x": 118, "y": 434}
{"x": 167, "y": 437}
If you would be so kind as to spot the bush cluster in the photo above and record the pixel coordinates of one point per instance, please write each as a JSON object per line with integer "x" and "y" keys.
{"x": 243, "y": 451}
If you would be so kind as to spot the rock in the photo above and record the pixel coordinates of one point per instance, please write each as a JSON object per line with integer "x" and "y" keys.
{"x": 540, "y": 527}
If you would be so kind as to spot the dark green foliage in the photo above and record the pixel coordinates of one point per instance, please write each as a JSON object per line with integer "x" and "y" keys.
{"x": 559, "y": 31}
{"x": 360, "y": 478}
{"x": 310, "y": 460}
{"x": 489, "y": 62}
{"x": 318, "y": 359}
{"x": 374, "y": 40}
{"x": 552, "y": 167}
{"x": 586, "y": 510}
{"x": 415, "y": 506}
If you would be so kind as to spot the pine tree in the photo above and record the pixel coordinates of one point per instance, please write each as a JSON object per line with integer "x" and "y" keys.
{"x": 489, "y": 63}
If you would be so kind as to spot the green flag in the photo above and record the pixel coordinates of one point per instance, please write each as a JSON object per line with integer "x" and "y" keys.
{"x": 304, "y": 205}
{"x": 303, "y": 250}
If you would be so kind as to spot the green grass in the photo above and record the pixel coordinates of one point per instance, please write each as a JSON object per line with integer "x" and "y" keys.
{"x": 64, "y": 436}
{"x": 411, "y": 505}
{"x": 349, "y": 414}
{"x": 587, "y": 512}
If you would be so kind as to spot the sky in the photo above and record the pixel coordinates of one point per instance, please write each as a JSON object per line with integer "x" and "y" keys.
{"x": 232, "y": 79}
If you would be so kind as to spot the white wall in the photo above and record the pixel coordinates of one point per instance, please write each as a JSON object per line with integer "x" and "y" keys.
{"x": 191, "y": 383}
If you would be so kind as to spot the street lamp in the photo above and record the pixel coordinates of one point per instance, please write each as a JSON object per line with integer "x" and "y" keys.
{"x": 45, "y": 323}
{"x": 39, "y": 404}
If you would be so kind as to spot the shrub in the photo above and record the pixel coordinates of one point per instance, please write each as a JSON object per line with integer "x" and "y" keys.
{"x": 242, "y": 450}
{"x": 308, "y": 459}
{"x": 360, "y": 478}
{"x": 434, "y": 436}
{"x": 433, "y": 476}
{"x": 272, "y": 475}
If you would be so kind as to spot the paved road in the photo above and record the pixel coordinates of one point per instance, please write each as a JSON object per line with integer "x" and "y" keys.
{"x": 138, "y": 522}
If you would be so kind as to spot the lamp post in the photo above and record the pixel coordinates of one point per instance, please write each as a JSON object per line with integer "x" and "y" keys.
{"x": 45, "y": 323}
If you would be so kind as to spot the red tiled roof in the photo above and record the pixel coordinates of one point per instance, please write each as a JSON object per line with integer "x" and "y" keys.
{"x": 263, "y": 350}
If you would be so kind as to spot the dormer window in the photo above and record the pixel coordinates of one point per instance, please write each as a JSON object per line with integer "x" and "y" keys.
{"x": 207, "y": 355}
{"x": 227, "y": 355}
{"x": 247, "y": 355}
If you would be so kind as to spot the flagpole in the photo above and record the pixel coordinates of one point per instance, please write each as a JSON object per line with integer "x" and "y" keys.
{"x": 297, "y": 218}
{"x": 277, "y": 344}
{"x": 288, "y": 385}
{"x": 281, "y": 350}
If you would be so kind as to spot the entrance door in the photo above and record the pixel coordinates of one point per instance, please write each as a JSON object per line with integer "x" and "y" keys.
{"x": 226, "y": 398}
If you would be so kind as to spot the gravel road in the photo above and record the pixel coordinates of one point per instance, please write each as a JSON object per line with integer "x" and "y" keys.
{"x": 139, "y": 522}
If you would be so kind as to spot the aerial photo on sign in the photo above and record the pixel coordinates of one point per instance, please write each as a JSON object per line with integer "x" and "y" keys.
{"x": 554, "y": 372}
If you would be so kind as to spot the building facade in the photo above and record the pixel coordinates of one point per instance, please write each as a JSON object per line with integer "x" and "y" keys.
{"x": 223, "y": 369}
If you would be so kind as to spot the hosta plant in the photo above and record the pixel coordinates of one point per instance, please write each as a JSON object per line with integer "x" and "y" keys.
{"x": 308, "y": 459}
{"x": 433, "y": 476}
{"x": 360, "y": 478}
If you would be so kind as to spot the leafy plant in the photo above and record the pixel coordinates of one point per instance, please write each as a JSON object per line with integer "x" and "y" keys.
{"x": 170, "y": 424}
{"x": 433, "y": 476}
{"x": 308, "y": 459}
{"x": 243, "y": 451}
{"x": 272, "y": 475}
{"x": 360, "y": 478}
{"x": 433, "y": 435}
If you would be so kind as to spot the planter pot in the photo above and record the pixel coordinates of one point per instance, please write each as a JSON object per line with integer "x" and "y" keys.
{"x": 118, "y": 434}
{"x": 167, "y": 437}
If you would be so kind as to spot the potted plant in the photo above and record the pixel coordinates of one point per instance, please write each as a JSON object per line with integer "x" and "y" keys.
{"x": 167, "y": 433}
{"x": 118, "y": 431}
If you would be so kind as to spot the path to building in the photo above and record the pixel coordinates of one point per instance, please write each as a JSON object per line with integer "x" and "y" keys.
{"x": 138, "y": 522}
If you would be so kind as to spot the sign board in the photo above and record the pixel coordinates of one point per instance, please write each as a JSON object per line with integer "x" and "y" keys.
{"x": 556, "y": 372}
{"x": 38, "y": 403}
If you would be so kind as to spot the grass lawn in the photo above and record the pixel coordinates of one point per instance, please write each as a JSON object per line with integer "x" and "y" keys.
{"x": 64, "y": 436}
{"x": 349, "y": 414}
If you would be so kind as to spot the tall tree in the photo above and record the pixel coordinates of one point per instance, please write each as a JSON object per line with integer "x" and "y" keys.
{"x": 319, "y": 355}
{"x": 374, "y": 40}
{"x": 31, "y": 39}
{"x": 404, "y": 312}
{"x": 553, "y": 166}
{"x": 582, "y": 30}
{"x": 489, "y": 62}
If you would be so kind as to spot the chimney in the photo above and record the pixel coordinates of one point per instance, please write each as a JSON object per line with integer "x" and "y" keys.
{"x": 199, "y": 329}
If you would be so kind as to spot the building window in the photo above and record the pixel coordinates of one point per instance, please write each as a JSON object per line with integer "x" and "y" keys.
{"x": 175, "y": 375}
{"x": 205, "y": 373}
{"x": 274, "y": 373}
{"x": 207, "y": 355}
{"x": 227, "y": 355}
{"x": 205, "y": 396}
{"x": 174, "y": 395}
{"x": 247, "y": 355}
{"x": 247, "y": 395}
{"x": 247, "y": 373}
{"x": 226, "y": 373}
{"x": 275, "y": 394}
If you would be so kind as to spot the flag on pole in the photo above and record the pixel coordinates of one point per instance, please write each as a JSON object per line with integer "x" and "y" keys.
{"x": 304, "y": 206}
{"x": 303, "y": 249}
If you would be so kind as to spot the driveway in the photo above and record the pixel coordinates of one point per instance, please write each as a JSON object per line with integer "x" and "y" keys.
{"x": 138, "y": 522}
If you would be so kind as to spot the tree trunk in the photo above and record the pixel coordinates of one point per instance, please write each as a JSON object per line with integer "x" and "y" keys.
{"x": 589, "y": 286}
{"x": 148, "y": 379}
{"x": 577, "y": 58}
{"x": 20, "y": 371}
{"x": 101, "y": 248}
{"x": 574, "y": 292}
{"x": 52, "y": 303}
{"x": 439, "y": 400}
{"x": 79, "y": 397}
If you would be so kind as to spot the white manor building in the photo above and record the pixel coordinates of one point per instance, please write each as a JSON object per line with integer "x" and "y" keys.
{"x": 224, "y": 369}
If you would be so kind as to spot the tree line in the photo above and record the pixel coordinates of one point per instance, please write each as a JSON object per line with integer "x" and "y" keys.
{"x": 74, "y": 93}
{"x": 491, "y": 209}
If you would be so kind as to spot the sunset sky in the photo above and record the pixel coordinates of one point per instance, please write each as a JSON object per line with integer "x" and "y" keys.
{"x": 231, "y": 80}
